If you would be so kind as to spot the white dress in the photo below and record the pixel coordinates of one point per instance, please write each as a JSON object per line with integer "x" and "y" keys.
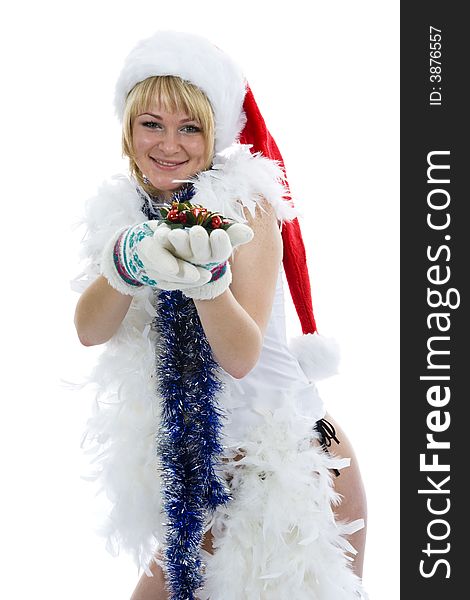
{"x": 277, "y": 538}
{"x": 277, "y": 381}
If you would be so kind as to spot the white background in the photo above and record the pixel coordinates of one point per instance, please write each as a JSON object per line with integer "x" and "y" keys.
{"x": 325, "y": 76}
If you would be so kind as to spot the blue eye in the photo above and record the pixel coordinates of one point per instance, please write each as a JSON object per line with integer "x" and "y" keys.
{"x": 192, "y": 129}
{"x": 151, "y": 124}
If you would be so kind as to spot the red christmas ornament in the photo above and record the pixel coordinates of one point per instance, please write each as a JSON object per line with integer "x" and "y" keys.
{"x": 173, "y": 215}
{"x": 187, "y": 215}
{"x": 216, "y": 222}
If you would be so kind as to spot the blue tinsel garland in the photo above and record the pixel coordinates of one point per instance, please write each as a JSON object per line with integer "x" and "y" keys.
{"x": 188, "y": 442}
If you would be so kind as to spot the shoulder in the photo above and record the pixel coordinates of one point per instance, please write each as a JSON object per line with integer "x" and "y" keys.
{"x": 266, "y": 246}
{"x": 267, "y": 237}
{"x": 264, "y": 221}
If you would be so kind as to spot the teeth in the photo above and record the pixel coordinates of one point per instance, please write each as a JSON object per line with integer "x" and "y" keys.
{"x": 166, "y": 164}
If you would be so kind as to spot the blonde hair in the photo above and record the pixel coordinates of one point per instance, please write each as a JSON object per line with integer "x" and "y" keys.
{"x": 173, "y": 94}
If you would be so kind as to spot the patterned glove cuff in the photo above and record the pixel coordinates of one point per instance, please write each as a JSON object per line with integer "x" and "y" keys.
{"x": 120, "y": 261}
{"x": 222, "y": 278}
{"x": 111, "y": 270}
{"x": 218, "y": 270}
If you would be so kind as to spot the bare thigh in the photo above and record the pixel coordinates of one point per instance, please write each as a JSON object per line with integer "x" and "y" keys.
{"x": 350, "y": 486}
{"x": 155, "y": 588}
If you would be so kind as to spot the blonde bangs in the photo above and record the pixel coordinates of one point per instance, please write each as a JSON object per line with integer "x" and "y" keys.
{"x": 173, "y": 95}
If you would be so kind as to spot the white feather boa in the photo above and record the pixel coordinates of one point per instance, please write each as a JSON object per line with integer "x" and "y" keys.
{"x": 121, "y": 436}
{"x": 240, "y": 179}
{"x": 277, "y": 538}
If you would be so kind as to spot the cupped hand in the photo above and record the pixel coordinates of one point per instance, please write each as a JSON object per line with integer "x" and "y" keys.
{"x": 199, "y": 247}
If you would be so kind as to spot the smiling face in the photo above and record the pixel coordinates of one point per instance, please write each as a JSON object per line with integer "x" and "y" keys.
{"x": 168, "y": 133}
{"x": 168, "y": 146}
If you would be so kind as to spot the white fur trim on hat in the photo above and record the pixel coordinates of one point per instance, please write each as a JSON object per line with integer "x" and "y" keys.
{"x": 318, "y": 356}
{"x": 196, "y": 60}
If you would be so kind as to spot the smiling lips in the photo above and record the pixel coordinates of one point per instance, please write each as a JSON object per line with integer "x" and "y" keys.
{"x": 167, "y": 165}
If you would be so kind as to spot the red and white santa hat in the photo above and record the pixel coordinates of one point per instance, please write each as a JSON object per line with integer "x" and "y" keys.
{"x": 237, "y": 119}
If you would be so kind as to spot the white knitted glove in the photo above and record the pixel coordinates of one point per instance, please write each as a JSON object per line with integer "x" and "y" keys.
{"x": 197, "y": 246}
{"x": 135, "y": 257}
{"x": 209, "y": 251}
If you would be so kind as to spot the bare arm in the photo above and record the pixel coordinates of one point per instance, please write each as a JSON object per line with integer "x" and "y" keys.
{"x": 99, "y": 312}
{"x": 235, "y": 321}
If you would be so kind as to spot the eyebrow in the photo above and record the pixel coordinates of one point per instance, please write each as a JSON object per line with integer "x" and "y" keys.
{"x": 161, "y": 118}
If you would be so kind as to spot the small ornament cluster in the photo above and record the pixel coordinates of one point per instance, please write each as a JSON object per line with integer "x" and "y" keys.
{"x": 185, "y": 214}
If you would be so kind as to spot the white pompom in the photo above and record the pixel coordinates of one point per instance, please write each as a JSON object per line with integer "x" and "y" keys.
{"x": 318, "y": 356}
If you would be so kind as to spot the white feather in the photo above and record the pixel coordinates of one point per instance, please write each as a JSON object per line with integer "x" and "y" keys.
{"x": 240, "y": 179}
{"x": 116, "y": 205}
{"x": 278, "y": 537}
{"x": 121, "y": 433}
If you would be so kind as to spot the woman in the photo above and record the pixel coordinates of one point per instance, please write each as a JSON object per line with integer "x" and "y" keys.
{"x": 216, "y": 459}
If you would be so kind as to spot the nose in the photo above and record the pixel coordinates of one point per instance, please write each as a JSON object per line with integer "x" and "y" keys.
{"x": 169, "y": 143}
